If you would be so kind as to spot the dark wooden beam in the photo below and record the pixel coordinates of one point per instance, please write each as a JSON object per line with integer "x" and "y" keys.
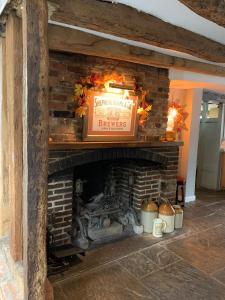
{"x": 14, "y": 130}
{"x": 74, "y": 41}
{"x": 213, "y": 10}
{"x": 35, "y": 51}
{"x": 106, "y": 145}
{"x": 124, "y": 21}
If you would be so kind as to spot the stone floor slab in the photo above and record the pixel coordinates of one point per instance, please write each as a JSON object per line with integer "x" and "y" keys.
{"x": 205, "y": 250}
{"x": 182, "y": 281}
{"x": 160, "y": 256}
{"x": 138, "y": 265}
{"x": 111, "y": 282}
{"x": 220, "y": 276}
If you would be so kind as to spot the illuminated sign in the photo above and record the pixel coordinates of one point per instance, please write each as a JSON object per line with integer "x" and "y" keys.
{"x": 111, "y": 116}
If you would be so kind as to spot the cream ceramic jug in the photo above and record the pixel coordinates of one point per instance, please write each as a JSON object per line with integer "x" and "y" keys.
{"x": 149, "y": 211}
{"x": 167, "y": 213}
{"x": 158, "y": 227}
{"x": 178, "y": 216}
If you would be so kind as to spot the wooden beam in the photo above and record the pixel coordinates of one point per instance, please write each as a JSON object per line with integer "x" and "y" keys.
{"x": 124, "y": 21}
{"x": 14, "y": 72}
{"x": 74, "y": 41}
{"x": 4, "y": 152}
{"x": 213, "y": 10}
{"x": 5, "y": 142}
{"x": 35, "y": 51}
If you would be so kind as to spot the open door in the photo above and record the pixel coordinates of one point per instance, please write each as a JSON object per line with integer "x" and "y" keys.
{"x": 208, "y": 165}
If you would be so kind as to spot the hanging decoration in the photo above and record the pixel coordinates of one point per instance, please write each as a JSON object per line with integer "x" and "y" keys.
{"x": 103, "y": 82}
{"x": 176, "y": 117}
{"x": 144, "y": 108}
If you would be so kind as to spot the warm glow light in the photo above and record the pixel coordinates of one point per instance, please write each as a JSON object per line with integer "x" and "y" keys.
{"x": 126, "y": 94}
{"x": 172, "y": 113}
{"x": 110, "y": 89}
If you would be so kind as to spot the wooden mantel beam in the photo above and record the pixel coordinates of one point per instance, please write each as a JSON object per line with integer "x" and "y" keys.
{"x": 124, "y": 21}
{"x": 74, "y": 41}
{"x": 213, "y": 10}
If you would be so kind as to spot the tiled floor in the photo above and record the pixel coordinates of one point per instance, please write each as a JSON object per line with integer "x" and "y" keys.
{"x": 188, "y": 264}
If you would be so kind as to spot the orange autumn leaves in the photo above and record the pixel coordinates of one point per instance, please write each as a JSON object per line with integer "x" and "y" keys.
{"x": 97, "y": 82}
{"x": 94, "y": 82}
{"x": 180, "y": 116}
{"x": 144, "y": 108}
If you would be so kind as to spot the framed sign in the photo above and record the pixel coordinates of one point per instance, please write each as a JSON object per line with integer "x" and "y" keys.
{"x": 110, "y": 117}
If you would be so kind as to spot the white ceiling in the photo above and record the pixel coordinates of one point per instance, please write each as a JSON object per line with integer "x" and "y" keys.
{"x": 188, "y": 80}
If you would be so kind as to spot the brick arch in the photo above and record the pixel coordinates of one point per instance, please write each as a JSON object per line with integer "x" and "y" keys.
{"x": 73, "y": 159}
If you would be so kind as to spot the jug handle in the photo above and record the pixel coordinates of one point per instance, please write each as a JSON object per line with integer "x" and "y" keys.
{"x": 164, "y": 225}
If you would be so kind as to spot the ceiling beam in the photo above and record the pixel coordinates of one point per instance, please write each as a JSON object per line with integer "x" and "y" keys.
{"x": 213, "y": 10}
{"x": 74, "y": 41}
{"x": 124, "y": 21}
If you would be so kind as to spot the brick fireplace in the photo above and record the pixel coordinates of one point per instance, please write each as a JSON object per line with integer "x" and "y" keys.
{"x": 116, "y": 177}
{"x": 154, "y": 176}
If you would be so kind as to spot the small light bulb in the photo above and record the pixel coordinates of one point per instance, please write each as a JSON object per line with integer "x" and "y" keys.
{"x": 173, "y": 112}
{"x": 126, "y": 94}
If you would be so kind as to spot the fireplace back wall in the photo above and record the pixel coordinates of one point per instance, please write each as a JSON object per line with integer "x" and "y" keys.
{"x": 66, "y": 69}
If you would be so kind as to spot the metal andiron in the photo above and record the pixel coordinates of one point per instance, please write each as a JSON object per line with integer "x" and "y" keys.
{"x": 104, "y": 215}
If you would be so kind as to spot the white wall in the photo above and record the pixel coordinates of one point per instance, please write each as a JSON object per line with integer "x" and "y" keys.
{"x": 191, "y": 98}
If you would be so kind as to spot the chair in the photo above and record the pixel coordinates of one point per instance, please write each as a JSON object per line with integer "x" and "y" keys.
{"x": 181, "y": 184}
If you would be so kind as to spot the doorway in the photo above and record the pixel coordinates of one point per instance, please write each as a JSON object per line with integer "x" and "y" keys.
{"x": 210, "y": 136}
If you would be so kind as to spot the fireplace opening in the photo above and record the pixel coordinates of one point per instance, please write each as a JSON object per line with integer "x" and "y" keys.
{"x": 98, "y": 202}
{"x": 107, "y": 200}
{"x": 95, "y": 196}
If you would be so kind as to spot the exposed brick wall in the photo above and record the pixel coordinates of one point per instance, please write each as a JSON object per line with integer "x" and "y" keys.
{"x": 152, "y": 181}
{"x": 60, "y": 200}
{"x": 169, "y": 172}
{"x": 146, "y": 182}
{"x": 66, "y": 69}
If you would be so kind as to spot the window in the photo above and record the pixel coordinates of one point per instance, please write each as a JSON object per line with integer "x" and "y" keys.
{"x": 212, "y": 111}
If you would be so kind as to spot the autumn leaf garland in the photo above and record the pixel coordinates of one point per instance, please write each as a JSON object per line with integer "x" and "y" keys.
{"x": 97, "y": 82}
{"x": 181, "y": 115}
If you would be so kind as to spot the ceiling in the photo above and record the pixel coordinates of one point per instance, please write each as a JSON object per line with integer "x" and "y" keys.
{"x": 188, "y": 80}
{"x": 186, "y": 85}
